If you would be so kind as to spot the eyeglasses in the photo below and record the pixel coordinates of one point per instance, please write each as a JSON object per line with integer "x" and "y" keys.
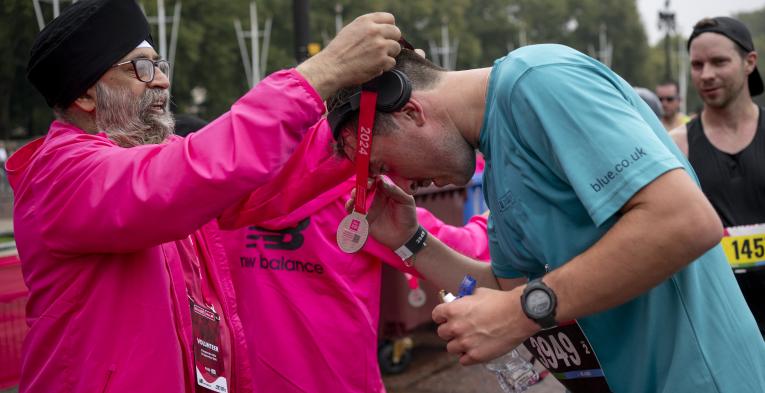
{"x": 144, "y": 68}
{"x": 668, "y": 98}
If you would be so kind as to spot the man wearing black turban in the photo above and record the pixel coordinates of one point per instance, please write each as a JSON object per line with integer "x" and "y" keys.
{"x": 115, "y": 218}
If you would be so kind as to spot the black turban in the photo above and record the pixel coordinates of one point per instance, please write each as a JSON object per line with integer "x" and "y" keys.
{"x": 72, "y": 53}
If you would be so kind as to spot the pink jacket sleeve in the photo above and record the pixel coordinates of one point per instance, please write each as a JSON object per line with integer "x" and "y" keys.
{"x": 311, "y": 171}
{"x": 118, "y": 200}
{"x": 471, "y": 240}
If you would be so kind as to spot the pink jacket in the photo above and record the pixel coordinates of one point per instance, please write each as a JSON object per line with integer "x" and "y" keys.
{"x": 99, "y": 228}
{"x": 310, "y": 311}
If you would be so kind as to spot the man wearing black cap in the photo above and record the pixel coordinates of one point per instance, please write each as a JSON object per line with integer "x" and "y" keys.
{"x": 726, "y": 143}
{"x": 114, "y": 217}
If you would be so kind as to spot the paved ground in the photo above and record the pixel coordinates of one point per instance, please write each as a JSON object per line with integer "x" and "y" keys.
{"x": 433, "y": 370}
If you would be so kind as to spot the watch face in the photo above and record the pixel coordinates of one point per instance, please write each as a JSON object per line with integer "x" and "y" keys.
{"x": 538, "y": 303}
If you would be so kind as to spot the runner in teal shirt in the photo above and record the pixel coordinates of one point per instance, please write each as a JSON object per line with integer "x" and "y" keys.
{"x": 586, "y": 190}
{"x": 579, "y": 143}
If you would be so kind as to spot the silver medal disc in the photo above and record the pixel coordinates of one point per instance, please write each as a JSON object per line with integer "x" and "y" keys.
{"x": 417, "y": 297}
{"x": 352, "y": 232}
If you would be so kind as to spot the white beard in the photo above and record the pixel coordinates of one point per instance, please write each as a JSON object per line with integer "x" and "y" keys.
{"x": 130, "y": 121}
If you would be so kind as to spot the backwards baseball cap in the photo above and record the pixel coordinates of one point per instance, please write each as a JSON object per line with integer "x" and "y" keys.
{"x": 739, "y": 34}
{"x": 73, "y": 51}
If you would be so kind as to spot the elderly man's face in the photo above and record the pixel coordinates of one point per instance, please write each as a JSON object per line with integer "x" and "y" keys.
{"x": 130, "y": 111}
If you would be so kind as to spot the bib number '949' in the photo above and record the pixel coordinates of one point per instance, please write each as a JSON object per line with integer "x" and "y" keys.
{"x": 556, "y": 348}
{"x": 566, "y": 352}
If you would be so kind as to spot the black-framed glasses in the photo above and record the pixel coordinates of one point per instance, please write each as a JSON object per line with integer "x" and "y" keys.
{"x": 144, "y": 68}
{"x": 668, "y": 98}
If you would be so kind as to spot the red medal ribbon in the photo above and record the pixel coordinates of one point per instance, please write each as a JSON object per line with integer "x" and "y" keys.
{"x": 367, "y": 110}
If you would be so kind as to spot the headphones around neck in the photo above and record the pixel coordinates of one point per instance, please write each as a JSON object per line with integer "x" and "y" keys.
{"x": 393, "y": 92}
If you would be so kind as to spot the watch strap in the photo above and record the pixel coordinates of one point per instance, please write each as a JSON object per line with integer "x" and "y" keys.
{"x": 547, "y": 322}
{"x": 414, "y": 245}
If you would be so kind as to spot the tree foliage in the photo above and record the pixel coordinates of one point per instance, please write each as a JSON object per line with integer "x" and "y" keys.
{"x": 208, "y": 55}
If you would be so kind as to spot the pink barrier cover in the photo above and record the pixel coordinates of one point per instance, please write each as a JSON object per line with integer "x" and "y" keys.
{"x": 13, "y": 327}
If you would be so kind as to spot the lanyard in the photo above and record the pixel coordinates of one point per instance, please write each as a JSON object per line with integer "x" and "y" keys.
{"x": 196, "y": 253}
{"x": 367, "y": 109}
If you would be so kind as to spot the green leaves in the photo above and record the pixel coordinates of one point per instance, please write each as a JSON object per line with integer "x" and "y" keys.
{"x": 208, "y": 55}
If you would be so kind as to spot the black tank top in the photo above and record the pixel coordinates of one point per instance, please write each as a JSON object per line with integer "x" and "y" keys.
{"x": 734, "y": 183}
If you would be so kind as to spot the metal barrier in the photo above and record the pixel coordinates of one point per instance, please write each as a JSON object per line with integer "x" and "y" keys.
{"x": 474, "y": 200}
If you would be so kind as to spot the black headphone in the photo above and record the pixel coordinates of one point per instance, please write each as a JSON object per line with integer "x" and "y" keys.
{"x": 393, "y": 92}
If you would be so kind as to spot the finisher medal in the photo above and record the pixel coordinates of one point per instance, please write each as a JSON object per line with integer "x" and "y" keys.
{"x": 352, "y": 232}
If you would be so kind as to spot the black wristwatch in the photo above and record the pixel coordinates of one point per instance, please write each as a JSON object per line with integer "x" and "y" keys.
{"x": 539, "y": 303}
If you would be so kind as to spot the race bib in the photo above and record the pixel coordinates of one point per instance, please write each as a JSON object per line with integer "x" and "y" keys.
{"x": 566, "y": 352}
{"x": 745, "y": 246}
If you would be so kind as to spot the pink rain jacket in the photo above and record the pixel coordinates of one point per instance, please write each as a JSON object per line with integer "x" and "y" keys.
{"x": 100, "y": 231}
{"x": 309, "y": 310}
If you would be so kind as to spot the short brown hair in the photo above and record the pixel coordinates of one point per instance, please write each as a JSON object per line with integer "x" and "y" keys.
{"x": 423, "y": 75}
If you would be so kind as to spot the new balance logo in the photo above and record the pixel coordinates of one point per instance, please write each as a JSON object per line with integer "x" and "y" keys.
{"x": 283, "y": 239}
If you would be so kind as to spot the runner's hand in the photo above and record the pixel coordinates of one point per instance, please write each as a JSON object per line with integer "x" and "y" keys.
{"x": 483, "y": 326}
{"x": 392, "y": 217}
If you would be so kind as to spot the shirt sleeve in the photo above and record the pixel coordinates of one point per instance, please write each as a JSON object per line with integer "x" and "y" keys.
{"x": 470, "y": 240}
{"x": 311, "y": 170}
{"x": 120, "y": 200}
{"x": 583, "y": 124}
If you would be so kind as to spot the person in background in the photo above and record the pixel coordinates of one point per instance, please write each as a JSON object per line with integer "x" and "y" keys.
{"x": 726, "y": 142}
{"x": 187, "y": 123}
{"x": 651, "y": 100}
{"x": 322, "y": 304}
{"x": 115, "y": 218}
{"x": 669, "y": 95}
{"x": 333, "y": 297}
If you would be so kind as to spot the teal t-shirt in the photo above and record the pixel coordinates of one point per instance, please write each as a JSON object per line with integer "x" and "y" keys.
{"x": 567, "y": 143}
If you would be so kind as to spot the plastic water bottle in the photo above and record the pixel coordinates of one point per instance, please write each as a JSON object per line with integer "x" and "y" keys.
{"x": 514, "y": 373}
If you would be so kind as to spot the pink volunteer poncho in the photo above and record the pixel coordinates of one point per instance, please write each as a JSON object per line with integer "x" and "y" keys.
{"x": 309, "y": 310}
{"x": 104, "y": 234}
